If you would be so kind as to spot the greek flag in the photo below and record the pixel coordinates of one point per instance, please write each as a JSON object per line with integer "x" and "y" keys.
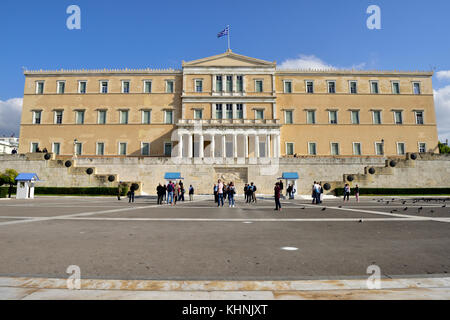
{"x": 224, "y": 32}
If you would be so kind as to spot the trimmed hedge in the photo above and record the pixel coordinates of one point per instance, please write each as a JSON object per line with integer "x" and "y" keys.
{"x": 72, "y": 191}
{"x": 395, "y": 191}
{"x": 3, "y": 192}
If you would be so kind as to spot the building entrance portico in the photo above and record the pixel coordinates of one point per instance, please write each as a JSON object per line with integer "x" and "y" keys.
{"x": 227, "y": 143}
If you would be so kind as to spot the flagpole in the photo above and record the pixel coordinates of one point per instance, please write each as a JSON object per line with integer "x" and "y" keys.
{"x": 229, "y": 31}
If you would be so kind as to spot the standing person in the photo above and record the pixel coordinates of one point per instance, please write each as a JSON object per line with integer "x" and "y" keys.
{"x": 225, "y": 192}
{"x": 282, "y": 188}
{"x": 170, "y": 190}
{"x": 231, "y": 193}
{"x": 177, "y": 193}
{"x": 220, "y": 193}
{"x": 321, "y": 192}
{"x": 289, "y": 191}
{"x": 164, "y": 192}
{"x": 216, "y": 195}
{"x": 191, "y": 193}
{"x": 314, "y": 193}
{"x": 254, "y": 193}
{"x": 182, "y": 191}
{"x": 347, "y": 192}
{"x": 119, "y": 190}
{"x": 131, "y": 195}
{"x": 277, "y": 191}
{"x": 159, "y": 192}
{"x": 357, "y": 193}
{"x": 246, "y": 192}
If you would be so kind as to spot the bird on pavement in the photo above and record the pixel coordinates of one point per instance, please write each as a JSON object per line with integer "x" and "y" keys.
{"x": 324, "y": 209}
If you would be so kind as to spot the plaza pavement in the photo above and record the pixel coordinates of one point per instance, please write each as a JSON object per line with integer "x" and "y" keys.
{"x": 198, "y": 251}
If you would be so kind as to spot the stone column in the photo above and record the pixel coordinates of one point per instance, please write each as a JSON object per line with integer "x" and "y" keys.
{"x": 246, "y": 146}
{"x": 213, "y": 146}
{"x": 180, "y": 146}
{"x": 214, "y": 79}
{"x": 278, "y": 141}
{"x": 256, "y": 146}
{"x": 191, "y": 146}
{"x": 235, "y": 149}
{"x": 268, "y": 146}
{"x": 201, "y": 145}
{"x": 224, "y": 146}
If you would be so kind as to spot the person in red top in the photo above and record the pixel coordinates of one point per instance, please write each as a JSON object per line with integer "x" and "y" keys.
{"x": 277, "y": 190}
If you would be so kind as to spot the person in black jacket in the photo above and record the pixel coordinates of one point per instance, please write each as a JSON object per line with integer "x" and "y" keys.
{"x": 160, "y": 192}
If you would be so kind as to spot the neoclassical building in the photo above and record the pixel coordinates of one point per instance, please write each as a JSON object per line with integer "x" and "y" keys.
{"x": 228, "y": 106}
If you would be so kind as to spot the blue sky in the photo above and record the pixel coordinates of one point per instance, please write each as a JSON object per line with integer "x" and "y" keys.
{"x": 138, "y": 33}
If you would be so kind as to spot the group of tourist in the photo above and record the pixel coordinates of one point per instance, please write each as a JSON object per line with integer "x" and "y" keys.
{"x": 223, "y": 191}
{"x": 317, "y": 193}
{"x": 347, "y": 192}
{"x": 173, "y": 192}
{"x": 250, "y": 193}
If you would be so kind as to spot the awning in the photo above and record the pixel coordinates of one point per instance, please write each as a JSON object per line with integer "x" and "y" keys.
{"x": 173, "y": 176}
{"x": 290, "y": 176}
{"x": 27, "y": 177}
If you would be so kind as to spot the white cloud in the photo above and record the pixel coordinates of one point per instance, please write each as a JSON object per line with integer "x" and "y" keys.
{"x": 305, "y": 62}
{"x": 442, "y": 75}
{"x": 10, "y": 113}
{"x": 308, "y": 62}
{"x": 442, "y": 102}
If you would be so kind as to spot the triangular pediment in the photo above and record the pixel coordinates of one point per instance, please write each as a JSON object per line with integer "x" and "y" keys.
{"x": 229, "y": 59}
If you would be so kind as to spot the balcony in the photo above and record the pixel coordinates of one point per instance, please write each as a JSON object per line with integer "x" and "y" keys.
{"x": 230, "y": 122}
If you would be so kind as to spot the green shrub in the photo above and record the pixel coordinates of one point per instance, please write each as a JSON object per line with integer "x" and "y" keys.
{"x": 395, "y": 191}
{"x": 3, "y": 192}
{"x": 48, "y": 191}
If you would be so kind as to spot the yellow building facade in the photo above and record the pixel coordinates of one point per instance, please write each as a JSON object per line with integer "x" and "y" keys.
{"x": 228, "y": 106}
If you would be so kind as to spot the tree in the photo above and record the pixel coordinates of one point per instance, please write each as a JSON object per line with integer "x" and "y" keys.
{"x": 443, "y": 148}
{"x": 9, "y": 177}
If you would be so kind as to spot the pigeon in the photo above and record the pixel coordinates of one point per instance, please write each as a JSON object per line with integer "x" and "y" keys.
{"x": 421, "y": 208}
{"x": 444, "y": 206}
{"x": 395, "y": 210}
{"x": 361, "y": 221}
{"x": 340, "y": 206}
{"x": 432, "y": 211}
{"x": 405, "y": 209}
{"x": 404, "y": 202}
{"x": 303, "y": 208}
{"x": 324, "y": 209}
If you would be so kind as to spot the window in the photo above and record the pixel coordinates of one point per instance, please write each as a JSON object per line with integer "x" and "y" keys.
{"x": 311, "y": 117}
{"x": 289, "y": 148}
{"x": 289, "y": 117}
{"x": 229, "y": 111}
{"x": 422, "y": 147}
{"x": 240, "y": 84}
{"x": 104, "y": 87}
{"x": 312, "y": 148}
{"x": 198, "y": 85}
{"x": 61, "y": 87}
{"x": 376, "y": 116}
{"x": 357, "y": 149}
{"x": 169, "y": 86}
{"x": 416, "y": 88}
{"x": 122, "y": 148}
{"x": 374, "y": 87}
{"x": 56, "y": 148}
{"x": 395, "y": 87}
{"x": 379, "y": 148}
{"x": 82, "y": 85}
{"x": 229, "y": 83}
{"x": 333, "y": 116}
{"x": 101, "y": 117}
{"x": 198, "y": 114}
{"x": 218, "y": 111}
{"x": 331, "y": 86}
{"x": 334, "y": 148}
{"x": 240, "y": 111}
{"x": 146, "y": 116}
{"x": 78, "y": 148}
{"x": 259, "y": 85}
{"x": 355, "y": 116}
{"x": 147, "y": 86}
{"x": 123, "y": 115}
{"x": 401, "y": 150}
{"x": 309, "y": 86}
{"x": 168, "y": 117}
{"x": 100, "y": 150}
{"x": 419, "y": 117}
{"x": 219, "y": 84}
{"x": 398, "y": 117}
{"x": 40, "y": 87}
{"x": 59, "y": 117}
{"x": 168, "y": 149}
{"x": 145, "y": 149}
{"x": 353, "y": 87}
{"x": 259, "y": 114}
{"x": 34, "y": 147}
{"x": 79, "y": 117}
{"x": 287, "y": 86}
{"x": 37, "y": 116}
{"x": 125, "y": 86}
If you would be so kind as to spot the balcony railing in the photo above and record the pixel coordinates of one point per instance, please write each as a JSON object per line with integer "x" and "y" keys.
{"x": 229, "y": 121}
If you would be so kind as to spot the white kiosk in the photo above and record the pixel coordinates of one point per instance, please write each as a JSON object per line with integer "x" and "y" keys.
{"x": 25, "y": 185}
{"x": 291, "y": 179}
